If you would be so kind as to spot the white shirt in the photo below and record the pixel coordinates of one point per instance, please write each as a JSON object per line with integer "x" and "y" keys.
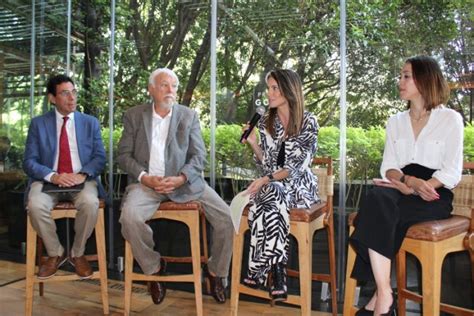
{"x": 439, "y": 145}
{"x": 71, "y": 135}
{"x": 160, "y": 128}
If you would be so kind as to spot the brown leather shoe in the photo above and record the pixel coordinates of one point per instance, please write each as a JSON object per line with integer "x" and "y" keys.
{"x": 49, "y": 268}
{"x": 82, "y": 266}
{"x": 214, "y": 286}
{"x": 157, "y": 289}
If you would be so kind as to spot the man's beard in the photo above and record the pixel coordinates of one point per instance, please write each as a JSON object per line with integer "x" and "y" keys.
{"x": 167, "y": 105}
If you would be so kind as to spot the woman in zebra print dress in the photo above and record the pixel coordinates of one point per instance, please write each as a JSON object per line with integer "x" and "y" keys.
{"x": 288, "y": 139}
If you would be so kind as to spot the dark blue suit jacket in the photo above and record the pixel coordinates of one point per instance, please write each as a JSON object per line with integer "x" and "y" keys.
{"x": 41, "y": 147}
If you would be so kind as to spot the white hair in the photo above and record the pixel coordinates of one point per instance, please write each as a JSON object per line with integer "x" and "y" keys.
{"x": 158, "y": 71}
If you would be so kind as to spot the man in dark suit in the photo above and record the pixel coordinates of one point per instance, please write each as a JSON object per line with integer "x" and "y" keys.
{"x": 64, "y": 147}
{"x": 163, "y": 152}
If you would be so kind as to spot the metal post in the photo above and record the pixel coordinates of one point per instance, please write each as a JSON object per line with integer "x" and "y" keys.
{"x": 111, "y": 139}
{"x": 32, "y": 58}
{"x": 68, "y": 71}
{"x": 342, "y": 156}
{"x": 212, "y": 162}
{"x": 68, "y": 40}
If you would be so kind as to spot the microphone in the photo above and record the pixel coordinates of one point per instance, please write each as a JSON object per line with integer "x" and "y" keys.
{"x": 258, "y": 114}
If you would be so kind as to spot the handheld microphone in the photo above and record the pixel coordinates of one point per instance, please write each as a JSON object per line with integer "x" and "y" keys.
{"x": 258, "y": 114}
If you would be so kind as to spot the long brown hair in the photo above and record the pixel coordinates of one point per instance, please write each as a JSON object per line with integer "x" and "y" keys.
{"x": 429, "y": 81}
{"x": 292, "y": 90}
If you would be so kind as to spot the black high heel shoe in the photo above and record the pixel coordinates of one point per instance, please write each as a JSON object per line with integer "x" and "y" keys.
{"x": 278, "y": 289}
{"x": 252, "y": 283}
{"x": 392, "y": 311}
{"x": 364, "y": 312}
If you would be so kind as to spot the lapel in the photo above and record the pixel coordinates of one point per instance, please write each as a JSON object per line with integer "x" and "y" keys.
{"x": 147, "y": 123}
{"x": 175, "y": 118}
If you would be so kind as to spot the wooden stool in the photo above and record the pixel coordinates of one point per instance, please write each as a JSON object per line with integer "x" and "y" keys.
{"x": 303, "y": 224}
{"x": 187, "y": 213}
{"x": 429, "y": 242}
{"x": 350, "y": 283}
{"x": 205, "y": 252}
{"x": 66, "y": 210}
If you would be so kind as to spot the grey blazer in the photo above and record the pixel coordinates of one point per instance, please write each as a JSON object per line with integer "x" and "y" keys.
{"x": 184, "y": 152}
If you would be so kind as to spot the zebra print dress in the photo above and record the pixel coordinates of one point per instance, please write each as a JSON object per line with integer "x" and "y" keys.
{"x": 269, "y": 215}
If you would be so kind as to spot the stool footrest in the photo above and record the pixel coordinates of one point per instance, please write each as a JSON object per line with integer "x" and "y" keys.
{"x": 182, "y": 259}
{"x": 66, "y": 277}
{"x": 321, "y": 277}
{"x": 163, "y": 278}
{"x": 292, "y": 299}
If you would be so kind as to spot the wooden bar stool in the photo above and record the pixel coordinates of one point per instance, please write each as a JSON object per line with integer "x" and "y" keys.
{"x": 303, "y": 224}
{"x": 66, "y": 210}
{"x": 204, "y": 249}
{"x": 429, "y": 242}
{"x": 350, "y": 283}
{"x": 189, "y": 214}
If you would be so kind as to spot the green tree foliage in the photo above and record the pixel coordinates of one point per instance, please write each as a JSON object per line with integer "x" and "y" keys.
{"x": 364, "y": 149}
{"x": 233, "y": 158}
{"x": 256, "y": 36}
{"x": 469, "y": 143}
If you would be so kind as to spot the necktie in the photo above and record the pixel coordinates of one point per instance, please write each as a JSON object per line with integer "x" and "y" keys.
{"x": 64, "y": 161}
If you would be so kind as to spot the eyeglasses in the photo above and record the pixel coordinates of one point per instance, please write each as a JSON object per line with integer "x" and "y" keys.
{"x": 67, "y": 93}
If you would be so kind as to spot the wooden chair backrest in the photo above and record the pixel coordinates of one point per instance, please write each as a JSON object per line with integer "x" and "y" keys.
{"x": 322, "y": 168}
{"x": 463, "y": 202}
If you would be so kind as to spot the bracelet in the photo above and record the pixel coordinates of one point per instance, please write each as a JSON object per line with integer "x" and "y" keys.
{"x": 270, "y": 177}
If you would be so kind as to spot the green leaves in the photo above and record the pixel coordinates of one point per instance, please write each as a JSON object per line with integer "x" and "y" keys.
{"x": 364, "y": 150}
{"x": 469, "y": 142}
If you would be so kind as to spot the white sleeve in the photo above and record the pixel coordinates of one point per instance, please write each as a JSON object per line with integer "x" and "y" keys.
{"x": 389, "y": 160}
{"x": 451, "y": 166}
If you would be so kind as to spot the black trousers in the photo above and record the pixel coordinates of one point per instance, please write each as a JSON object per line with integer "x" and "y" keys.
{"x": 385, "y": 216}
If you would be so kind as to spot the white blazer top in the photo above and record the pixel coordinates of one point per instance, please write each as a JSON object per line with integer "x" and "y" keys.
{"x": 439, "y": 145}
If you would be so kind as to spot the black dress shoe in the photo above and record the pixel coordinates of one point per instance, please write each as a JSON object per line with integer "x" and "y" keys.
{"x": 278, "y": 288}
{"x": 364, "y": 312}
{"x": 214, "y": 286}
{"x": 157, "y": 289}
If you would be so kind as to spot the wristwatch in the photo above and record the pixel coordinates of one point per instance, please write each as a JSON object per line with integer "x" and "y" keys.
{"x": 270, "y": 177}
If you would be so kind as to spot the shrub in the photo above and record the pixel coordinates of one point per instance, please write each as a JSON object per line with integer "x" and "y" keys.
{"x": 232, "y": 158}
{"x": 469, "y": 142}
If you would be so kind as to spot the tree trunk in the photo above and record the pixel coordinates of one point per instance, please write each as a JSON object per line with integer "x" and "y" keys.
{"x": 92, "y": 21}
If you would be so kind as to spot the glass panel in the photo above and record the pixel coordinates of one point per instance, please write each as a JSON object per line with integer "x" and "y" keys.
{"x": 149, "y": 35}
{"x": 16, "y": 38}
{"x": 15, "y": 46}
{"x": 256, "y": 37}
{"x": 381, "y": 36}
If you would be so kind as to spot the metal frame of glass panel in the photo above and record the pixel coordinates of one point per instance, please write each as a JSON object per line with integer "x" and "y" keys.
{"x": 342, "y": 243}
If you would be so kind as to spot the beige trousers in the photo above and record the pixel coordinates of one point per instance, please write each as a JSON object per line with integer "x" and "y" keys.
{"x": 139, "y": 205}
{"x": 39, "y": 208}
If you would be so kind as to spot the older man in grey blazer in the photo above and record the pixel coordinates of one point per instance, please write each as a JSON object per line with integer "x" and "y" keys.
{"x": 163, "y": 152}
